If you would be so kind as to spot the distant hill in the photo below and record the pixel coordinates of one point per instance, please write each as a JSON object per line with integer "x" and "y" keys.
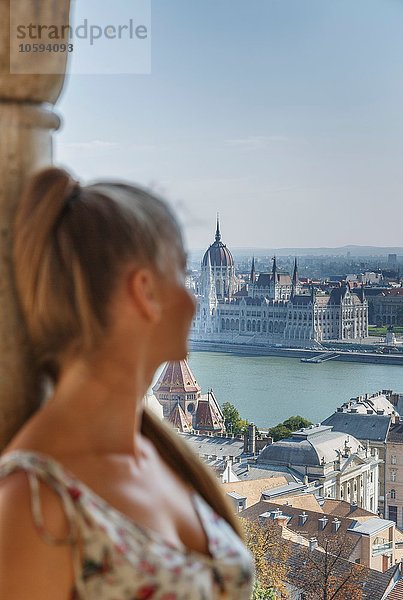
{"x": 355, "y": 251}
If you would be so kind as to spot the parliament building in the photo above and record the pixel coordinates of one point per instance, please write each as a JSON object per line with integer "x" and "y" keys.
{"x": 272, "y": 308}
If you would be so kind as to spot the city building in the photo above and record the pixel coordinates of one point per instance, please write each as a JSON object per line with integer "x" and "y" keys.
{"x": 394, "y": 474}
{"x": 183, "y": 403}
{"x": 375, "y": 584}
{"x": 368, "y": 418}
{"x": 387, "y": 307}
{"x": 367, "y": 278}
{"x": 272, "y": 308}
{"x": 246, "y": 493}
{"x": 338, "y": 465}
{"x": 368, "y": 540}
{"x": 218, "y": 269}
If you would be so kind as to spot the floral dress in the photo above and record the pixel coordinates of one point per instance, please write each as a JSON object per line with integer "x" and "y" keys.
{"x": 121, "y": 560}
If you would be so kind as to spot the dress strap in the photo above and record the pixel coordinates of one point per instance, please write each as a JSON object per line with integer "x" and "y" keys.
{"x": 38, "y": 468}
{"x": 37, "y": 514}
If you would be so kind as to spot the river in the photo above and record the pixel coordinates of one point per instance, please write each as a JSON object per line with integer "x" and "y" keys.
{"x": 266, "y": 390}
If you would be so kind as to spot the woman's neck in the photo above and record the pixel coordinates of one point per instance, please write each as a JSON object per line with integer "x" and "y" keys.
{"x": 96, "y": 407}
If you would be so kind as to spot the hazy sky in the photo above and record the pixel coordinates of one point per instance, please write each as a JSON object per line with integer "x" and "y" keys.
{"x": 286, "y": 116}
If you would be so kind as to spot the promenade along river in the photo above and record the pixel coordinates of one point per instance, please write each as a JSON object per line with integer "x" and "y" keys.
{"x": 266, "y": 390}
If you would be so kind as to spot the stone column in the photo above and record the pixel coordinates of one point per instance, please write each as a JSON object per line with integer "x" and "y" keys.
{"x": 26, "y": 125}
{"x": 345, "y": 495}
{"x": 365, "y": 489}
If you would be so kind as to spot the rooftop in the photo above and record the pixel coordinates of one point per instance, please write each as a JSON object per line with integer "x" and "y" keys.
{"x": 289, "y": 488}
{"x": 374, "y": 583}
{"x": 312, "y": 446}
{"x": 373, "y": 428}
{"x": 253, "y": 489}
{"x": 176, "y": 377}
{"x": 308, "y": 527}
{"x": 304, "y": 501}
{"x": 370, "y": 526}
{"x": 394, "y": 292}
{"x": 369, "y": 404}
{"x": 217, "y": 446}
{"x": 217, "y": 254}
{"x": 246, "y": 471}
{"x": 396, "y": 433}
{"x": 264, "y": 279}
{"x": 341, "y": 508}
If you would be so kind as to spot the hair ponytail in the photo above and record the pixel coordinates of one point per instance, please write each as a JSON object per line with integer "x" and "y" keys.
{"x": 189, "y": 466}
{"x": 51, "y": 285}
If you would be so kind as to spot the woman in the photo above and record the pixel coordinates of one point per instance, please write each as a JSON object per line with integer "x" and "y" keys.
{"x": 98, "y": 499}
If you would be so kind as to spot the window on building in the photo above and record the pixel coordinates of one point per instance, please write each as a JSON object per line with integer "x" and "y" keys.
{"x": 393, "y": 459}
{"x": 392, "y": 494}
{"x": 393, "y": 513}
{"x": 393, "y": 475}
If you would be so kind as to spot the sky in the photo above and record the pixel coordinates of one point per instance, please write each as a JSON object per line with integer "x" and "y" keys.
{"x": 285, "y": 116}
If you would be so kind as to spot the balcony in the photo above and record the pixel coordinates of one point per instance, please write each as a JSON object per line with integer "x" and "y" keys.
{"x": 378, "y": 549}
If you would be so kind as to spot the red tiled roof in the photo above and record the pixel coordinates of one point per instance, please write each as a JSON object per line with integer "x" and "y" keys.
{"x": 264, "y": 279}
{"x": 207, "y": 417}
{"x": 175, "y": 378}
{"x": 397, "y": 592}
{"x": 179, "y": 420}
{"x": 341, "y": 508}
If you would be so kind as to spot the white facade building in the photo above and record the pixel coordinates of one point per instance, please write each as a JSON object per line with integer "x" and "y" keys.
{"x": 272, "y": 308}
{"x": 341, "y": 467}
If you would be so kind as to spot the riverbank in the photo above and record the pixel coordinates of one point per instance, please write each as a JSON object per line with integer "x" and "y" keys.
{"x": 268, "y": 389}
{"x": 317, "y": 356}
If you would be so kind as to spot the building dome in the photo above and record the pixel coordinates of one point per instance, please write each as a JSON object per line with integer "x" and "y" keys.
{"x": 311, "y": 447}
{"x": 218, "y": 252}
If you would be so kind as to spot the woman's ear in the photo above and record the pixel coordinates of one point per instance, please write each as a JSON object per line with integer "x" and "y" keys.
{"x": 144, "y": 289}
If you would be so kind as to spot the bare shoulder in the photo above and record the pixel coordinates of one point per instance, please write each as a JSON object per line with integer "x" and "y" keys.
{"x": 30, "y": 566}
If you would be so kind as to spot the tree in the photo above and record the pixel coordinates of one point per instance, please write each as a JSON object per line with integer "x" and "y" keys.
{"x": 279, "y": 432}
{"x": 326, "y": 574}
{"x": 233, "y": 421}
{"x": 270, "y": 553}
{"x": 259, "y": 593}
{"x": 295, "y": 423}
{"x": 285, "y": 429}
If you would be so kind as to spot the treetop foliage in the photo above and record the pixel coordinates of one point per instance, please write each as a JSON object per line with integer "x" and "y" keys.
{"x": 285, "y": 429}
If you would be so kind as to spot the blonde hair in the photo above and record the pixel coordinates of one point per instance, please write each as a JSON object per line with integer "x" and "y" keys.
{"x": 71, "y": 244}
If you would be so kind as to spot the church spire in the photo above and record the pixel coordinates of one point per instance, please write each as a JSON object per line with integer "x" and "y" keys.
{"x": 274, "y": 272}
{"x": 294, "y": 279}
{"x": 295, "y": 274}
{"x": 217, "y": 232}
{"x": 253, "y": 271}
